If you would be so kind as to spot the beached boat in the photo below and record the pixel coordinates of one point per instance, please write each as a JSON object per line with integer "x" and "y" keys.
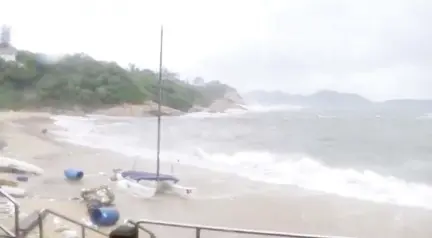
{"x": 14, "y": 166}
{"x": 147, "y": 184}
{"x": 8, "y": 165}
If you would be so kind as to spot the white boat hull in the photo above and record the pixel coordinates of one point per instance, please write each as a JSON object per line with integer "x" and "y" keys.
{"x": 147, "y": 189}
{"x": 21, "y": 166}
{"x": 135, "y": 188}
{"x": 182, "y": 191}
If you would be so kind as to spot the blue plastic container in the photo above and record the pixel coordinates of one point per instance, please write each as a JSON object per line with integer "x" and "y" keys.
{"x": 73, "y": 174}
{"x": 104, "y": 216}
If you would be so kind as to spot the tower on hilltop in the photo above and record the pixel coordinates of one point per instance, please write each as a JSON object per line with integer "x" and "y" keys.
{"x": 7, "y": 51}
{"x": 5, "y": 36}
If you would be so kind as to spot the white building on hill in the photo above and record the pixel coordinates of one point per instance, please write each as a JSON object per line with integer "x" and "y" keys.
{"x": 7, "y": 51}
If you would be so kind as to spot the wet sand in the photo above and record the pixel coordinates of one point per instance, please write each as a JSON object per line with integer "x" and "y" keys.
{"x": 220, "y": 200}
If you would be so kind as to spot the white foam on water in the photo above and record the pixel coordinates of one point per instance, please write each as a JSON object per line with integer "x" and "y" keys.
{"x": 426, "y": 116}
{"x": 291, "y": 169}
{"x": 84, "y": 131}
{"x": 305, "y": 172}
{"x": 325, "y": 116}
{"x": 227, "y": 113}
{"x": 272, "y": 108}
{"x": 249, "y": 108}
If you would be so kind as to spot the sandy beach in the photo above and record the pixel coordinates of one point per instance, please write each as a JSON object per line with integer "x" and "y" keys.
{"x": 221, "y": 199}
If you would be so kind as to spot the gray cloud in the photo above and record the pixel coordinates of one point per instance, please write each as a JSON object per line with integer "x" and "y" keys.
{"x": 381, "y": 49}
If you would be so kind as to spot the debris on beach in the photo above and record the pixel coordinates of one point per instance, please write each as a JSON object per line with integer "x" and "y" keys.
{"x": 65, "y": 231}
{"x": 73, "y": 174}
{"x": 22, "y": 178}
{"x": 6, "y": 208}
{"x": 102, "y": 215}
{"x": 103, "y": 194}
{"x": 11, "y": 187}
{"x": 99, "y": 202}
{"x": 7, "y": 182}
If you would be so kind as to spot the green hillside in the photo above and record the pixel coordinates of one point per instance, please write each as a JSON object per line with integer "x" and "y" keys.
{"x": 81, "y": 81}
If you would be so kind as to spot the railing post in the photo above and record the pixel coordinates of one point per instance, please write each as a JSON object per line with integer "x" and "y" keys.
{"x": 197, "y": 232}
{"x": 16, "y": 213}
{"x": 16, "y": 210}
{"x": 40, "y": 223}
{"x": 83, "y": 233}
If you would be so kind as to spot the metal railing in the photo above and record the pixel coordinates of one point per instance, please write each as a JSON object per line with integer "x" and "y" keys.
{"x": 199, "y": 228}
{"x": 16, "y": 213}
{"x": 41, "y": 217}
{"x": 83, "y": 227}
{"x": 7, "y": 232}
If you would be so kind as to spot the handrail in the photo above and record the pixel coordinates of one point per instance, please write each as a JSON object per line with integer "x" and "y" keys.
{"x": 149, "y": 232}
{"x": 41, "y": 216}
{"x": 16, "y": 210}
{"x": 199, "y": 228}
{"x": 5, "y": 230}
{"x": 83, "y": 226}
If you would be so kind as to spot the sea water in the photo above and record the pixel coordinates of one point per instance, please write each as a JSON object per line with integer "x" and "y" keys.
{"x": 365, "y": 155}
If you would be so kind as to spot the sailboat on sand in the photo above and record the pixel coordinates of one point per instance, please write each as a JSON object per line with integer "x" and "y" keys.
{"x": 147, "y": 184}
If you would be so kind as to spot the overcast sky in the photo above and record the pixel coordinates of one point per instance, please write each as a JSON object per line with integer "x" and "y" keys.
{"x": 380, "y": 49}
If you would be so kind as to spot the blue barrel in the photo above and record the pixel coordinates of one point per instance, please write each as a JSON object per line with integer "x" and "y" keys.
{"x": 104, "y": 216}
{"x": 73, "y": 174}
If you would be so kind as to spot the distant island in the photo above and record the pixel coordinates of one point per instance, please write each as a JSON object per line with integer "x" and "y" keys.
{"x": 78, "y": 82}
{"x": 328, "y": 99}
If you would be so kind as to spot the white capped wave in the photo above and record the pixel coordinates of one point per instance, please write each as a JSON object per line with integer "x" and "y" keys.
{"x": 250, "y": 108}
{"x": 228, "y": 113}
{"x": 291, "y": 169}
{"x": 325, "y": 116}
{"x": 305, "y": 172}
{"x": 426, "y": 116}
{"x": 84, "y": 131}
{"x": 272, "y": 108}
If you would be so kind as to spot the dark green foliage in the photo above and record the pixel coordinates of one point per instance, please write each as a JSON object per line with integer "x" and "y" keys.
{"x": 78, "y": 80}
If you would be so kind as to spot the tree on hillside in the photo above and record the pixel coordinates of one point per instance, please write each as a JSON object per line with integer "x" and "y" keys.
{"x": 79, "y": 80}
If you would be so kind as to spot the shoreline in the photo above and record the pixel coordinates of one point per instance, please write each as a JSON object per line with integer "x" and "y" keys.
{"x": 146, "y": 109}
{"x": 222, "y": 200}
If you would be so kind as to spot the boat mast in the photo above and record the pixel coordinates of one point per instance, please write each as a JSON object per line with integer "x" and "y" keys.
{"x": 159, "y": 113}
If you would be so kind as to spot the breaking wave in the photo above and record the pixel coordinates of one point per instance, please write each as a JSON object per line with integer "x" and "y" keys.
{"x": 292, "y": 169}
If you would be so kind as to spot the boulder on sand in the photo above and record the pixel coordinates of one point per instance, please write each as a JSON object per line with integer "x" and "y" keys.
{"x": 231, "y": 100}
{"x": 149, "y": 108}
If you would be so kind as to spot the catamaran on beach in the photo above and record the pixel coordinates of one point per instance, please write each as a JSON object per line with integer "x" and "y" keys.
{"x": 147, "y": 184}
